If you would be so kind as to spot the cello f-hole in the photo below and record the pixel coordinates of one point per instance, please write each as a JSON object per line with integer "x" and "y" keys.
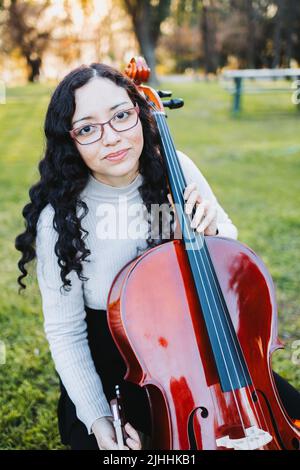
{"x": 191, "y": 431}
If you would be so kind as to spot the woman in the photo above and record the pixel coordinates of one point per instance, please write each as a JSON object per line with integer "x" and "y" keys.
{"x": 102, "y": 160}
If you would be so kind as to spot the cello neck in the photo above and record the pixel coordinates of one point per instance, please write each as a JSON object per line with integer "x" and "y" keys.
{"x": 175, "y": 174}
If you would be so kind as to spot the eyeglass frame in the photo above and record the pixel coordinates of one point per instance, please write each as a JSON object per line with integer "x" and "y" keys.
{"x": 102, "y": 124}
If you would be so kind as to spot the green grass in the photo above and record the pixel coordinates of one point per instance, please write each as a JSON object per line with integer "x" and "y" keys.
{"x": 253, "y": 165}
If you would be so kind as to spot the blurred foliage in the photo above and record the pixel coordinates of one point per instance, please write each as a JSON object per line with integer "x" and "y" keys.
{"x": 175, "y": 34}
{"x": 205, "y": 33}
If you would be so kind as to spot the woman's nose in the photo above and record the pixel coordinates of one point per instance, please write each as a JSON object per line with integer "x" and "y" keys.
{"x": 110, "y": 135}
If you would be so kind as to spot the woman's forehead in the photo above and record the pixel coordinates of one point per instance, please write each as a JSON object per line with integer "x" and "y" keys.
{"x": 98, "y": 99}
{"x": 101, "y": 91}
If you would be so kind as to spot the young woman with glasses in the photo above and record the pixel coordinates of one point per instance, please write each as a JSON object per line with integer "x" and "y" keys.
{"x": 102, "y": 162}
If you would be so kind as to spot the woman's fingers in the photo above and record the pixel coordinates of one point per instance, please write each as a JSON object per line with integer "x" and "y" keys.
{"x": 131, "y": 431}
{"x": 191, "y": 195}
{"x": 209, "y": 223}
{"x": 108, "y": 444}
{"x": 132, "y": 444}
{"x": 133, "y": 441}
{"x": 105, "y": 434}
{"x": 205, "y": 217}
{"x": 111, "y": 445}
{"x": 190, "y": 187}
{"x": 199, "y": 214}
{"x": 191, "y": 201}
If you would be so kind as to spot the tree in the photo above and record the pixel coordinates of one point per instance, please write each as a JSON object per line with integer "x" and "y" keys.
{"x": 147, "y": 16}
{"x": 20, "y": 32}
{"x": 250, "y": 15}
{"x": 286, "y": 38}
{"x": 179, "y": 46}
{"x": 208, "y": 28}
{"x": 244, "y": 32}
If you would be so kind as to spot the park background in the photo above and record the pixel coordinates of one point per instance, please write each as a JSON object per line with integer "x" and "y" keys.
{"x": 251, "y": 159}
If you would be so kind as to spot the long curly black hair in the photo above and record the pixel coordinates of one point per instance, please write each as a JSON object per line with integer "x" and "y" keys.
{"x": 64, "y": 174}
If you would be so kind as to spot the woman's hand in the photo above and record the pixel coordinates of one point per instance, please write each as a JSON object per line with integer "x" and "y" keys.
{"x": 133, "y": 441}
{"x": 104, "y": 432}
{"x": 205, "y": 217}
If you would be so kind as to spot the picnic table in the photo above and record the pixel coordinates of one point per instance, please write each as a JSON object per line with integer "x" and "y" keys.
{"x": 239, "y": 76}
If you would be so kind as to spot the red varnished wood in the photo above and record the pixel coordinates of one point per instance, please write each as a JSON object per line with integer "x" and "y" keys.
{"x": 156, "y": 321}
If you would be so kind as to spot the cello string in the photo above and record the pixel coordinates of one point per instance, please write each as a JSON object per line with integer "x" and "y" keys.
{"x": 200, "y": 253}
{"x": 224, "y": 315}
{"x": 222, "y": 306}
{"x": 218, "y": 293}
{"x": 179, "y": 177}
{"x": 217, "y": 335}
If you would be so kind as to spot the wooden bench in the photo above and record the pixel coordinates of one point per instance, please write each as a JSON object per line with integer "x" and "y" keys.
{"x": 238, "y": 77}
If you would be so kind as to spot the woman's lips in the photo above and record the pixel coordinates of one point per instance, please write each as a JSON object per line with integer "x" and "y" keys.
{"x": 119, "y": 156}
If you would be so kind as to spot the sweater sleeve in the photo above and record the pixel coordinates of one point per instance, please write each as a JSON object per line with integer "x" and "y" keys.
{"x": 193, "y": 175}
{"x": 65, "y": 328}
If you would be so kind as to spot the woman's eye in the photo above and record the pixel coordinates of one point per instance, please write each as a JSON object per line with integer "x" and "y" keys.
{"x": 85, "y": 130}
{"x": 122, "y": 115}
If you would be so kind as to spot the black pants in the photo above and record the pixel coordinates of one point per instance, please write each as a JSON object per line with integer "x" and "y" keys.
{"x": 111, "y": 368}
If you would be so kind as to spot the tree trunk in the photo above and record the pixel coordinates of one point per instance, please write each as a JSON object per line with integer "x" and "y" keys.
{"x": 251, "y": 35}
{"x": 147, "y": 49}
{"x": 147, "y": 17}
{"x": 277, "y": 36}
{"x": 34, "y": 65}
{"x": 141, "y": 23}
{"x": 208, "y": 37}
{"x": 290, "y": 15}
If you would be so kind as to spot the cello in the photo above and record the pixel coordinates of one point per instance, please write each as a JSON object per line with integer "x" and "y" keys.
{"x": 201, "y": 340}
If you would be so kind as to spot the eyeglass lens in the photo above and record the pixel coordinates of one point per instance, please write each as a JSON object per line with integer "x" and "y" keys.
{"x": 121, "y": 121}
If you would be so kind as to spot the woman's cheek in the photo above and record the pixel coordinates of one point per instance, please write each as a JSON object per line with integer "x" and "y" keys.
{"x": 139, "y": 141}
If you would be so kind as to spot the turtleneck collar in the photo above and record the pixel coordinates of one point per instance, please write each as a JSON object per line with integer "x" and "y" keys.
{"x": 96, "y": 189}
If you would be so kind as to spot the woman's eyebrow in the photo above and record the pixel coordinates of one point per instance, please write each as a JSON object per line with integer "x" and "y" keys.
{"x": 91, "y": 117}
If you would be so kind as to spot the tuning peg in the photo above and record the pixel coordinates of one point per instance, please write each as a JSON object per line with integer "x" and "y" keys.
{"x": 164, "y": 93}
{"x": 174, "y": 103}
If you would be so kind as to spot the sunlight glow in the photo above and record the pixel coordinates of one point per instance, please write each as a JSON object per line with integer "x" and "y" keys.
{"x": 99, "y": 10}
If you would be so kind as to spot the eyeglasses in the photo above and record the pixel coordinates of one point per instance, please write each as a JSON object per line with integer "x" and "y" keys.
{"x": 120, "y": 122}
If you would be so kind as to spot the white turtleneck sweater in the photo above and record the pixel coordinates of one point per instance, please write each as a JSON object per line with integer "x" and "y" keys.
{"x": 64, "y": 313}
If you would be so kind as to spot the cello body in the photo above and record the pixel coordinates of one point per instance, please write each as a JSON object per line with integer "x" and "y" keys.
{"x": 157, "y": 324}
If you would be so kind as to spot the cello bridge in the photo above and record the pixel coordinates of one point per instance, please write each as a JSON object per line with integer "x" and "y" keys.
{"x": 255, "y": 438}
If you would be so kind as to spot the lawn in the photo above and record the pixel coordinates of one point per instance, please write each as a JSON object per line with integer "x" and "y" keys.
{"x": 253, "y": 165}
